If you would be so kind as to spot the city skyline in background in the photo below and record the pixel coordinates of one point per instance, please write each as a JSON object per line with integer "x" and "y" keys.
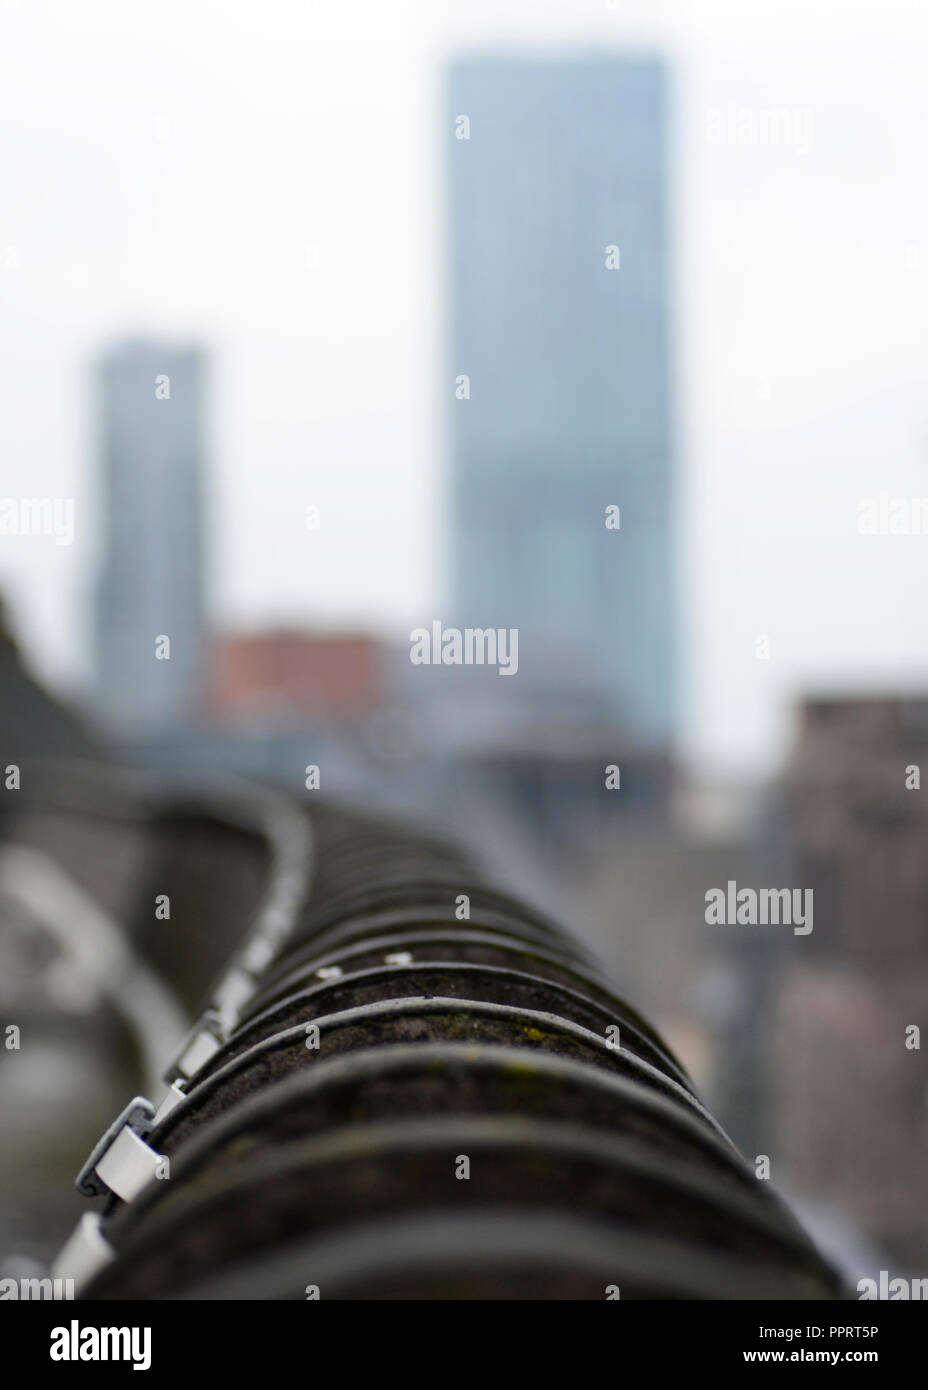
{"x": 570, "y": 427}
{"x": 317, "y": 299}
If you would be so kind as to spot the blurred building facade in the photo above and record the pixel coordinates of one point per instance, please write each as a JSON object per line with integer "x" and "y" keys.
{"x": 276, "y": 675}
{"x": 851, "y": 1105}
{"x": 150, "y": 584}
{"x": 559, "y": 361}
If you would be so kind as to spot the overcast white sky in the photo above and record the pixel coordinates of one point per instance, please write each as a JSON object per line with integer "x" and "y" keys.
{"x": 264, "y": 177}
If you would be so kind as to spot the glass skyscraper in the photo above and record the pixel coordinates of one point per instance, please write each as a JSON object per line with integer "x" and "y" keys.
{"x": 150, "y": 585}
{"x": 559, "y": 371}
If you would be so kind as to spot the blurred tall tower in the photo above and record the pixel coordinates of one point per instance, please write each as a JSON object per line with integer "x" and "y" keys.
{"x": 151, "y": 581}
{"x": 559, "y": 320}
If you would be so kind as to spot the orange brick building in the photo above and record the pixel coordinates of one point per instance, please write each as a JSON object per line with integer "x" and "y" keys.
{"x": 283, "y": 674}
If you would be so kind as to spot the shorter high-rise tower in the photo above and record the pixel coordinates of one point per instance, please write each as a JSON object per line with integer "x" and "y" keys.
{"x": 149, "y": 602}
